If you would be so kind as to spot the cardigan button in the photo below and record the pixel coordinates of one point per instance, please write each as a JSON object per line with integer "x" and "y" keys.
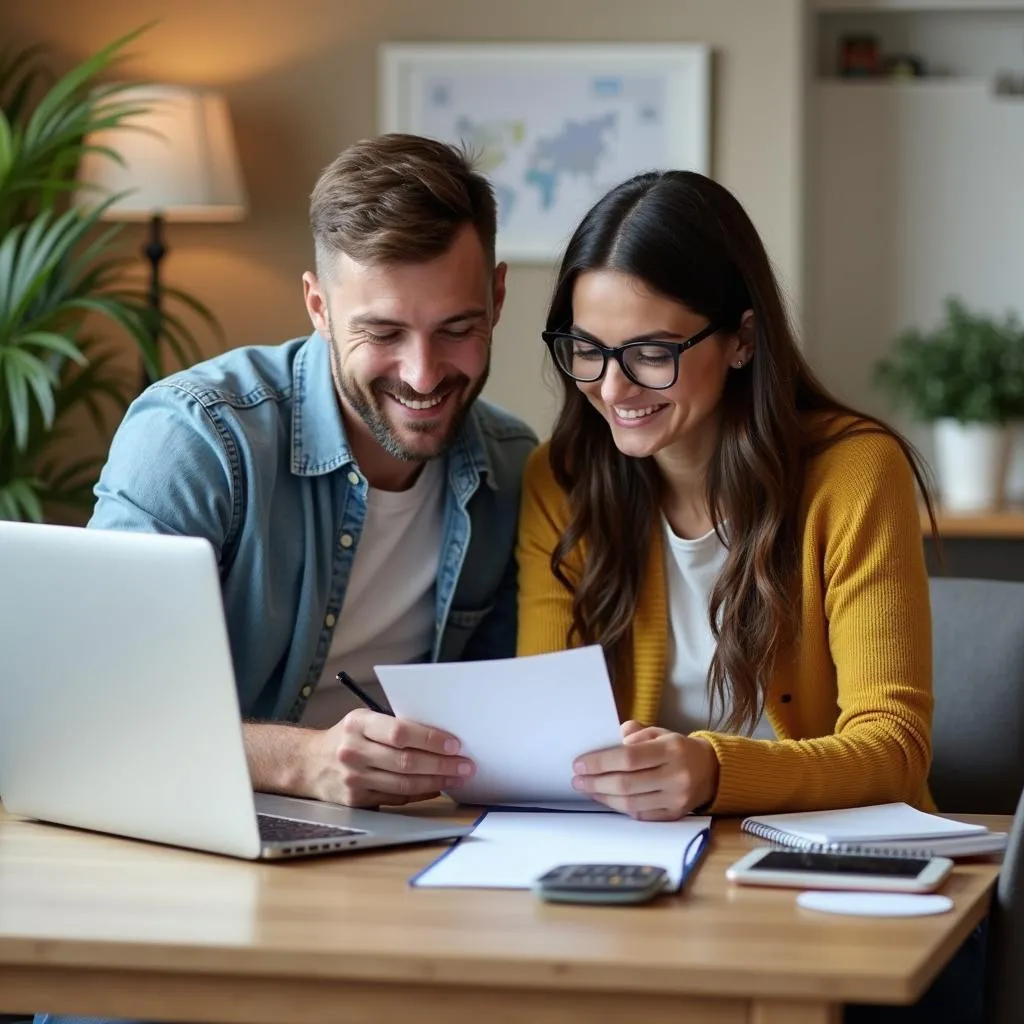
{"x": 786, "y": 698}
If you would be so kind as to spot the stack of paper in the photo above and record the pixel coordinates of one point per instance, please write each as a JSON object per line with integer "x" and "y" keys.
{"x": 523, "y": 721}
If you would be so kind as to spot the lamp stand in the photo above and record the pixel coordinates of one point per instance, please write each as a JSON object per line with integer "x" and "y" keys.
{"x": 154, "y": 250}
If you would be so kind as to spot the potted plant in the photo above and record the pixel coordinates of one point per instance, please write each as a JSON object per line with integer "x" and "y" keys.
{"x": 61, "y": 275}
{"x": 966, "y": 377}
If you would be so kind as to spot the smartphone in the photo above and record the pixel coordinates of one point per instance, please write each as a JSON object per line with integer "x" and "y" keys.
{"x": 601, "y": 883}
{"x": 801, "y": 869}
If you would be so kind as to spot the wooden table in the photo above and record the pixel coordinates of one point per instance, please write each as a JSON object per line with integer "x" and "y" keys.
{"x": 984, "y": 545}
{"x": 1007, "y": 523}
{"x": 101, "y": 926}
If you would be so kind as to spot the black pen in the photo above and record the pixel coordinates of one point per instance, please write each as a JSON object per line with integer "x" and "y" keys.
{"x": 347, "y": 681}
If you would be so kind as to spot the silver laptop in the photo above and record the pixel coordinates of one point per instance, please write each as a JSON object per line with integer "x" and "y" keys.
{"x": 118, "y": 708}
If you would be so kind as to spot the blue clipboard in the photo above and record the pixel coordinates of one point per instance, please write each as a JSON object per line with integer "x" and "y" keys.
{"x": 692, "y": 855}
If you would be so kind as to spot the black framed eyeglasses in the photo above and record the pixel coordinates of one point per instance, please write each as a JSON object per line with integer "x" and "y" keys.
{"x": 650, "y": 364}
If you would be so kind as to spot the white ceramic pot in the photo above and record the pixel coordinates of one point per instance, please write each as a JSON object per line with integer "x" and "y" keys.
{"x": 970, "y": 463}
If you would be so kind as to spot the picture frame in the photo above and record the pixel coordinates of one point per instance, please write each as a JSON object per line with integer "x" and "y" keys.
{"x": 553, "y": 126}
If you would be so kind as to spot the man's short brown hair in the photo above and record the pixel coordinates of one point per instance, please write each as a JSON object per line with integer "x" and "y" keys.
{"x": 399, "y": 198}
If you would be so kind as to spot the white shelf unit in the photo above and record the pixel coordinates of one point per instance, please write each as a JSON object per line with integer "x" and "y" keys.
{"x": 915, "y": 191}
{"x": 914, "y": 6}
{"x": 981, "y": 42}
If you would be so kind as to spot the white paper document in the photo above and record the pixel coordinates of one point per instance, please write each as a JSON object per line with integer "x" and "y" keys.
{"x": 510, "y": 849}
{"x": 523, "y": 721}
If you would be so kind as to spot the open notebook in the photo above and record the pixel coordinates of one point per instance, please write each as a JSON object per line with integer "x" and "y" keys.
{"x": 898, "y": 829}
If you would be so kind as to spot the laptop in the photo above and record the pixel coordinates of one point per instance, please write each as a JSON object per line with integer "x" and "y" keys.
{"x": 118, "y": 707}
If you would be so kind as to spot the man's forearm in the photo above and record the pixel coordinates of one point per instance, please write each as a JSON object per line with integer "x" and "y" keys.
{"x": 277, "y": 757}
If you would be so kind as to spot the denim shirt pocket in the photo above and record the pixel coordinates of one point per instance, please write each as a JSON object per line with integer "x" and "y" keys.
{"x": 461, "y": 624}
{"x": 468, "y": 619}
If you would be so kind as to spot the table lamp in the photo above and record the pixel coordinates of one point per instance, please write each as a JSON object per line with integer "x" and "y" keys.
{"x": 179, "y": 165}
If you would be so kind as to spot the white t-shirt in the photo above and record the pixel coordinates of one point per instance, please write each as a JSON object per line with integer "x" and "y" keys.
{"x": 387, "y": 617}
{"x": 691, "y": 568}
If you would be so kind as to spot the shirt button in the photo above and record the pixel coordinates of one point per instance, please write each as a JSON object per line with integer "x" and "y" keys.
{"x": 346, "y": 540}
{"x": 307, "y": 690}
{"x": 353, "y": 478}
{"x": 330, "y": 621}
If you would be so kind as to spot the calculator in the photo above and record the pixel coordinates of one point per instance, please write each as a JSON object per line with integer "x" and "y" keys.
{"x": 601, "y": 883}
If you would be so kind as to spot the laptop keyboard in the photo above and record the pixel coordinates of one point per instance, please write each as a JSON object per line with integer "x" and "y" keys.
{"x": 282, "y": 830}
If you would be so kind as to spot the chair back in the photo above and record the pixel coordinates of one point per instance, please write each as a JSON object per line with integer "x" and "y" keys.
{"x": 978, "y": 674}
{"x": 1004, "y": 969}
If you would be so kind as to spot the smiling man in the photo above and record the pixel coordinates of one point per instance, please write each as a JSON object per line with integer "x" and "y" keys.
{"x": 362, "y": 499}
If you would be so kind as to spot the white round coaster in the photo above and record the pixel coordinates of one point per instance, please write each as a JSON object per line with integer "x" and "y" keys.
{"x": 875, "y": 904}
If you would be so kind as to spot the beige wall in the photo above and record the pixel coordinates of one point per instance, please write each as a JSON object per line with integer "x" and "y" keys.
{"x": 300, "y": 79}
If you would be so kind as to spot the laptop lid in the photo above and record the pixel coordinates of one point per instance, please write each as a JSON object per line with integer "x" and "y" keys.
{"x": 118, "y": 709}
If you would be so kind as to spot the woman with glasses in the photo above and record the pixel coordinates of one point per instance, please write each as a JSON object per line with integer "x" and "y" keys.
{"x": 746, "y": 549}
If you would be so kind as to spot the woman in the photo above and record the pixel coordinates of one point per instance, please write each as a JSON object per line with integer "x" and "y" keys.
{"x": 746, "y": 549}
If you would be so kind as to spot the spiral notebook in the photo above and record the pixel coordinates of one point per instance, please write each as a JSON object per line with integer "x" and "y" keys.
{"x": 896, "y": 829}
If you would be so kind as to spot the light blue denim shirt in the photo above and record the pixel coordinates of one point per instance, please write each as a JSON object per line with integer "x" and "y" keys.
{"x": 249, "y": 451}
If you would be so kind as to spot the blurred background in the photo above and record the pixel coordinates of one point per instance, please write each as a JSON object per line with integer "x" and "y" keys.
{"x": 878, "y": 147}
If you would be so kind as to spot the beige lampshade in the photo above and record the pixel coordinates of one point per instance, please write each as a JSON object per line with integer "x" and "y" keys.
{"x": 181, "y": 165}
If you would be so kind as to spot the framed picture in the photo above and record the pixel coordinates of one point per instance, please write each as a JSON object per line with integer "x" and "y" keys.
{"x": 553, "y": 126}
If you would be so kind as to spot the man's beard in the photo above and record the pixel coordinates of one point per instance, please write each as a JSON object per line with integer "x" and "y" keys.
{"x": 367, "y": 404}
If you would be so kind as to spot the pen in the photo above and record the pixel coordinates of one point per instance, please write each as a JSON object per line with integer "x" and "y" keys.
{"x": 347, "y": 681}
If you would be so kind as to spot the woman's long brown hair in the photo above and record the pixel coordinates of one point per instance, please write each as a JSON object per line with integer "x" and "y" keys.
{"x": 687, "y": 237}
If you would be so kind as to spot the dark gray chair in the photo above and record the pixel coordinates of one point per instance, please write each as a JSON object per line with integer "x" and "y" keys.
{"x": 1004, "y": 980}
{"x": 978, "y": 729}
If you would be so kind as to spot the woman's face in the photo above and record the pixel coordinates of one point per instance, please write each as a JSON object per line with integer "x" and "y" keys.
{"x": 612, "y": 308}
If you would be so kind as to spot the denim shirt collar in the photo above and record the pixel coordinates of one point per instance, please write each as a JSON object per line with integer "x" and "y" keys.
{"x": 319, "y": 443}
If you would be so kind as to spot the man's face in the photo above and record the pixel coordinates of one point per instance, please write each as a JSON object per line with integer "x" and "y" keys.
{"x": 410, "y": 343}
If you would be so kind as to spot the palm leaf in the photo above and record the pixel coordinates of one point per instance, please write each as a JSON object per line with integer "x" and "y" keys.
{"x": 173, "y": 331}
{"x": 9, "y": 509}
{"x": 20, "y": 499}
{"x": 52, "y": 104}
{"x": 88, "y": 271}
{"x": 75, "y": 474}
{"x": 41, "y": 386}
{"x": 36, "y": 254}
{"x": 19, "y": 99}
{"x": 19, "y": 63}
{"x": 66, "y": 139}
{"x": 53, "y": 343}
{"x": 131, "y": 319}
{"x": 59, "y": 266}
{"x": 199, "y": 308}
{"x": 87, "y": 388}
{"x": 16, "y": 385}
{"x": 8, "y": 254}
{"x": 8, "y": 147}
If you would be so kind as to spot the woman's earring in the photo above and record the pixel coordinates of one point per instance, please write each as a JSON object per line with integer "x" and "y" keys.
{"x": 738, "y": 364}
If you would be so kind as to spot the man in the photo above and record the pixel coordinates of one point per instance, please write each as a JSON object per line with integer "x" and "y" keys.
{"x": 361, "y": 498}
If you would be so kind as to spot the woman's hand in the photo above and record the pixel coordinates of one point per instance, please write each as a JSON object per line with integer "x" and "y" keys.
{"x": 656, "y": 775}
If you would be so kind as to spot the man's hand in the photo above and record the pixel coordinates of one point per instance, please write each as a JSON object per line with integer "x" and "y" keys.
{"x": 369, "y": 759}
{"x": 656, "y": 775}
{"x": 366, "y": 760}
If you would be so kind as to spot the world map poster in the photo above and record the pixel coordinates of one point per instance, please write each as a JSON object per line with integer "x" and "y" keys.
{"x": 555, "y": 139}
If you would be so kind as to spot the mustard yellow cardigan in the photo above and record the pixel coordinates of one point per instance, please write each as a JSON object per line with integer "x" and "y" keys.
{"x": 850, "y": 700}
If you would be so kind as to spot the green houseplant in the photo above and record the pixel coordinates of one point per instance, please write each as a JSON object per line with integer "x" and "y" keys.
{"x": 64, "y": 277}
{"x": 965, "y": 376}
{"x": 969, "y": 367}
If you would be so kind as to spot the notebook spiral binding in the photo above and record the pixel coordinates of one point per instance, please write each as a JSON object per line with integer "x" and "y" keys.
{"x": 784, "y": 839}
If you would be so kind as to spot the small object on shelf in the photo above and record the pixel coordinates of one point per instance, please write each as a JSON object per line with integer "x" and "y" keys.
{"x": 1009, "y": 83}
{"x": 858, "y": 56}
{"x": 904, "y": 65}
